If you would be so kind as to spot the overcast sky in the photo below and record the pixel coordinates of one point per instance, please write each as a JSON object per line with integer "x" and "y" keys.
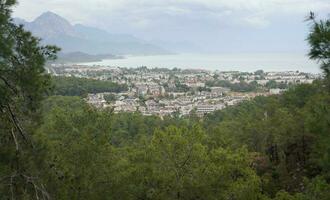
{"x": 214, "y": 25}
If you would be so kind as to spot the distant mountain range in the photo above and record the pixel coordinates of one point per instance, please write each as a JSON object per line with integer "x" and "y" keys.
{"x": 55, "y": 30}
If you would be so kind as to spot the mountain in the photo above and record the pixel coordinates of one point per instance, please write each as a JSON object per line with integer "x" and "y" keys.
{"x": 50, "y": 25}
{"x": 20, "y": 21}
{"x": 56, "y": 30}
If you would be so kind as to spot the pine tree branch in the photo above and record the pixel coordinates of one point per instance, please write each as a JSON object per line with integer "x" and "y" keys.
{"x": 16, "y": 123}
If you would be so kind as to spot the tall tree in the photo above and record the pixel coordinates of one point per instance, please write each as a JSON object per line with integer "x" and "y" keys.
{"x": 319, "y": 41}
{"x": 23, "y": 84}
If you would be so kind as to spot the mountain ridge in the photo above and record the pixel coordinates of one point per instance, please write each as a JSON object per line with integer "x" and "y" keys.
{"x": 56, "y": 30}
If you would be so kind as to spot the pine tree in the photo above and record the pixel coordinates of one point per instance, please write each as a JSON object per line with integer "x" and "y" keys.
{"x": 23, "y": 84}
{"x": 319, "y": 41}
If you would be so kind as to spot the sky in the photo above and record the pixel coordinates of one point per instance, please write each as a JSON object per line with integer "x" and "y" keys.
{"x": 232, "y": 26}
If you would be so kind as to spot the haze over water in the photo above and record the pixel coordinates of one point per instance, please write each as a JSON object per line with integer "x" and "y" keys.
{"x": 222, "y": 62}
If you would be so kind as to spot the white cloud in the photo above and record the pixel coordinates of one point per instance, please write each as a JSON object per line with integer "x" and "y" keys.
{"x": 256, "y": 21}
{"x": 80, "y": 9}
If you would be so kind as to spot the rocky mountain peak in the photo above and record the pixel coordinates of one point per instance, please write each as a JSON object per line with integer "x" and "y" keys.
{"x": 50, "y": 24}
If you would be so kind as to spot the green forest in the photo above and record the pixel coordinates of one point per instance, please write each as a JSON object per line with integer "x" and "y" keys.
{"x": 53, "y": 145}
{"x": 72, "y": 86}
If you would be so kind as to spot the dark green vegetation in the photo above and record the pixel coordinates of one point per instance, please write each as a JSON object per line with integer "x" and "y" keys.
{"x": 236, "y": 87}
{"x": 23, "y": 84}
{"x": 319, "y": 40}
{"x": 61, "y": 148}
{"x": 273, "y": 84}
{"x": 266, "y": 148}
{"x": 71, "y": 86}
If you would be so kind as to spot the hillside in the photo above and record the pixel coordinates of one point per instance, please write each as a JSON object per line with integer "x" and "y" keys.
{"x": 56, "y": 30}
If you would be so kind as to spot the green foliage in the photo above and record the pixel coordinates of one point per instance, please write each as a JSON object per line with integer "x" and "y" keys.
{"x": 110, "y": 98}
{"x": 86, "y": 161}
{"x": 236, "y": 87}
{"x": 319, "y": 41}
{"x": 71, "y": 86}
{"x": 316, "y": 189}
{"x": 181, "y": 88}
{"x": 289, "y": 132}
{"x": 23, "y": 84}
{"x": 259, "y": 72}
{"x": 270, "y": 143}
{"x": 273, "y": 84}
{"x": 317, "y": 114}
{"x": 299, "y": 95}
{"x": 78, "y": 150}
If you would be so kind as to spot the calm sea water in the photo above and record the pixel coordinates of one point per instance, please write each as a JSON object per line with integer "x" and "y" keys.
{"x": 222, "y": 62}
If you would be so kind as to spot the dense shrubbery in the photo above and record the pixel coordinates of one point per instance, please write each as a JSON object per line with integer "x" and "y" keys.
{"x": 273, "y": 84}
{"x": 236, "y": 87}
{"x": 71, "y": 86}
{"x": 271, "y": 147}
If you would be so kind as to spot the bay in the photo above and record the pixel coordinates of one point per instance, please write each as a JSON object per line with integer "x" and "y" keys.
{"x": 222, "y": 62}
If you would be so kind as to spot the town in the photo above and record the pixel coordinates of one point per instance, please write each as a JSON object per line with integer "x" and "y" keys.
{"x": 180, "y": 92}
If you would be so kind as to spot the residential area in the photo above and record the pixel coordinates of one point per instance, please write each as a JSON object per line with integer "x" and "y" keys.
{"x": 181, "y": 92}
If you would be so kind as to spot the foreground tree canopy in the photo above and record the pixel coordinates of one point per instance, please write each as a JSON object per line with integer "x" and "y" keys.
{"x": 61, "y": 148}
{"x": 319, "y": 40}
{"x": 23, "y": 84}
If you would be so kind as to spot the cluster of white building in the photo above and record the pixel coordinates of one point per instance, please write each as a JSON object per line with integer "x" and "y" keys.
{"x": 182, "y": 104}
{"x": 164, "y": 91}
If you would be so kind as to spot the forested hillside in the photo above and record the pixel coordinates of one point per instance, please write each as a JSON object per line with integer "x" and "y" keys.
{"x": 59, "y": 147}
{"x": 271, "y": 147}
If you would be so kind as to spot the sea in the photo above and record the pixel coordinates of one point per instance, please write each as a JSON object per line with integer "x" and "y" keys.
{"x": 268, "y": 62}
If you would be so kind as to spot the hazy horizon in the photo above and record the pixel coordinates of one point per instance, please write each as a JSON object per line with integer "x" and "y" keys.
{"x": 220, "y": 62}
{"x": 202, "y": 26}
